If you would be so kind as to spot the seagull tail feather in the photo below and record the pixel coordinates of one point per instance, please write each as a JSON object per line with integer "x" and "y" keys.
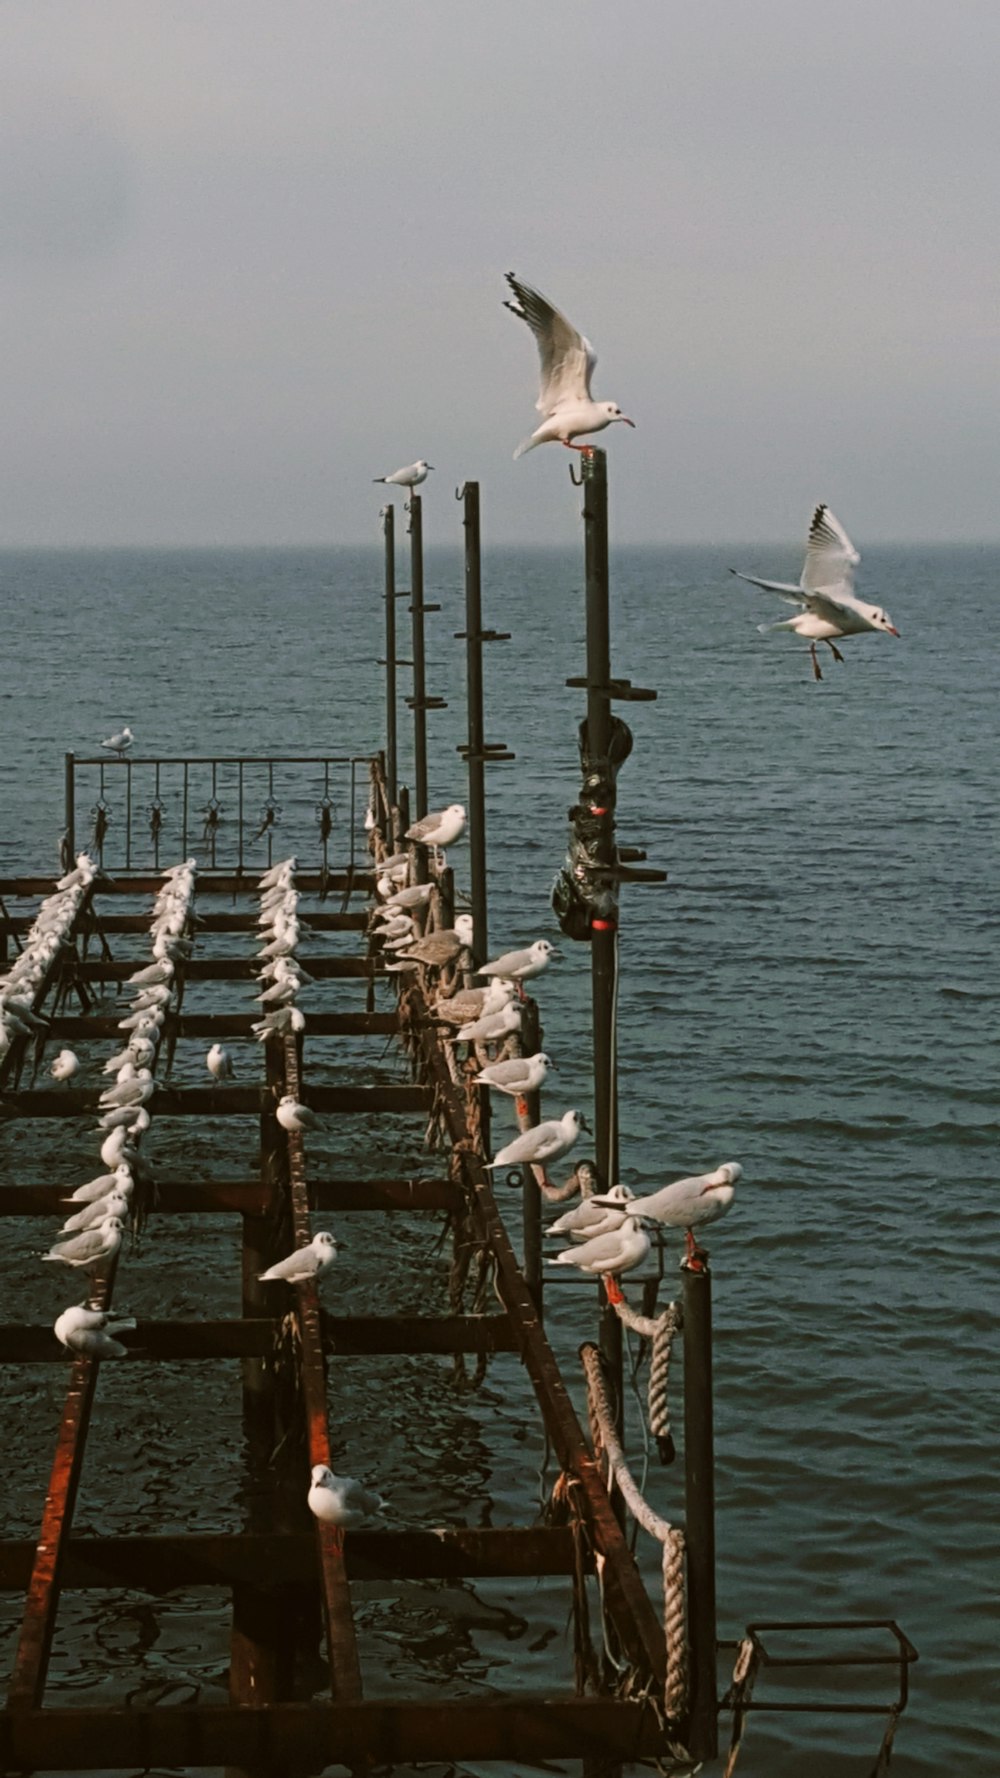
{"x": 526, "y": 444}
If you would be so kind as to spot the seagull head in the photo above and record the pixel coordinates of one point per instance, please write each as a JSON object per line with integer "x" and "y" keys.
{"x": 423, "y": 464}
{"x": 882, "y": 620}
{"x": 614, "y": 412}
{"x": 321, "y": 1475}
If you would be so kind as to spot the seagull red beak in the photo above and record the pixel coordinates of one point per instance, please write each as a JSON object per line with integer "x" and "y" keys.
{"x": 626, "y": 421}
{"x": 892, "y": 629}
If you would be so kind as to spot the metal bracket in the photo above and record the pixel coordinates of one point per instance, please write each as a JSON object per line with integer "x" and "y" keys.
{"x": 621, "y": 689}
{"x": 481, "y": 635}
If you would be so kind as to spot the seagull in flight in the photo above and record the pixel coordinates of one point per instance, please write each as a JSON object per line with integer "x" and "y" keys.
{"x": 567, "y": 359}
{"x": 826, "y": 591}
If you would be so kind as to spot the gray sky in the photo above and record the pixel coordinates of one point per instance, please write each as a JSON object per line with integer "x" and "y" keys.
{"x": 252, "y": 254}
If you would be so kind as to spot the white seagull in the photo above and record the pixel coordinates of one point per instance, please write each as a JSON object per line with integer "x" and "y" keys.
{"x": 90, "y": 1247}
{"x": 410, "y": 477}
{"x": 65, "y": 1066}
{"x": 339, "y": 1499}
{"x": 593, "y": 1217}
{"x": 292, "y": 1115}
{"x": 516, "y": 1075}
{"x": 568, "y": 361}
{"x": 617, "y": 1251}
{"x": 521, "y": 966}
{"x": 119, "y": 743}
{"x": 85, "y": 1330}
{"x": 219, "y": 1062}
{"x": 442, "y": 827}
{"x": 701, "y": 1197}
{"x": 305, "y": 1263}
{"x": 491, "y": 1025}
{"x": 825, "y": 591}
{"x": 544, "y": 1142}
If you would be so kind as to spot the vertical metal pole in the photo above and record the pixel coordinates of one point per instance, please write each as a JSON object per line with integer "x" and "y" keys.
{"x": 70, "y": 809}
{"x": 419, "y": 680}
{"x": 391, "y": 766}
{"x": 477, "y": 736}
{"x": 604, "y": 936}
{"x": 699, "y": 1528}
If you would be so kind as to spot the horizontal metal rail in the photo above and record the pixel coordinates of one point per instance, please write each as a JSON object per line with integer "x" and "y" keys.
{"x": 348, "y": 1336}
{"x": 240, "y": 1024}
{"x": 219, "y": 1101}
{"x": 253, "y": 1198}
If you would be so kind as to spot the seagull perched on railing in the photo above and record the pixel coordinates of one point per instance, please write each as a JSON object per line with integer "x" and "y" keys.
{"x": 119, "y": 743}
{"x": 825, "y": 591}
{"x": 568, "y": 362}
{"x": 687, "y": 1203}
{"x": 340, "y": 1499}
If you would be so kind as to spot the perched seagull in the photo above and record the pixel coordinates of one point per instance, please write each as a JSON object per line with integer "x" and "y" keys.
{"x": 491, "y": 1025}
{"x": 517, "y": 1075}
{"x": 117, "y": 1150}
{"x": 340, "y": 1500}
{"x": 412, "y": 897}
{"x": 438, "y": 949}
{"x": 593, "y": 1218}
{"x": 92, "y": 1246}
{"x": 617, "y": 1251}
{"x": 825, "y": 591}
{"x": 119, "y": 743}
{"x": 544, "y": 1142}
{"x": 119, "y": 1180}
{"x": 520, "y": 966}
{"x": 115, "y": 1204}
{"x": 442, "y": 827}
{"x": 292, "y": 1115}
{"x": 279, "y": 1022}
{"x": 468, "y": 1004}
{"x": 305, "y": 1263}
{"x": 85, "y": 1330}
{"x": 219, "y": 1062}
{"x": 568, "y": 361}
{"x": 410, "y": 477}
{"x": 65, "y": 1066}
{"x": 703, "y": 1197}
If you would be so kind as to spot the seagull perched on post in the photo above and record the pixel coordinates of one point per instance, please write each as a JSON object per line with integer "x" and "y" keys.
{"x": 825, "y": 591}
{"x": 568, "y": 362}
{"x": 410, "y": 477}
{"x": 119, "y": 743}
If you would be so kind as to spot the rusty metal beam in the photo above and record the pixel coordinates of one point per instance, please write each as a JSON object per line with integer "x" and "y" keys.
{"x": 355, "y": 1336}
{"x": 342, "y": 1647}
{"x": 319, "y": 921}
{"x": 625, "y": 1596}
{"x": 252, "y": 1197}
{"x": 209, "y": 883}
{"x": 159, "y": 1564}
{"x": 232, "y": 969}
{"x": 230, "y": 1024}
{"x": 283, "y": 1737}
{"x": 217, "y": 1101}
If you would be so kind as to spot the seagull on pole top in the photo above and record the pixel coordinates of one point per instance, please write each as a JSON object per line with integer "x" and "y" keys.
{"x": 410, "y": 477}
{"x": 567, "y": 361}
{"x": 830, "y": 606}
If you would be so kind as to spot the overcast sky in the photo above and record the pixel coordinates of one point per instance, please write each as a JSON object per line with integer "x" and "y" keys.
{"x": 252, "y": 254}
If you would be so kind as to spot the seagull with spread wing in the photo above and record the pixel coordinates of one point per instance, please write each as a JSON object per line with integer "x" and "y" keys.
{"x": 568, "y": 361}
{"x": 825, "y": 591}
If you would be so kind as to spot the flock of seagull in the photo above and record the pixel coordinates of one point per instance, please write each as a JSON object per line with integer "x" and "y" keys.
{"x": 829, "y": 608}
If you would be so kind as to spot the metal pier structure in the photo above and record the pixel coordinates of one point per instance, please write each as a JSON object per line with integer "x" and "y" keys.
{"x": 642, "y": 1664}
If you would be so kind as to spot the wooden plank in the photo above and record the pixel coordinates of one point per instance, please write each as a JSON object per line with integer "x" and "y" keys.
{"x": 531, "y": 1726}
{"x": 252, "y": 1197}
{"x": 625, "y": 1596}
{"x": 355, "y": 1336}
{"x": 160, "y": 1564}
{"x": 317, "y": 921}
{"x": 217, "y": 1101}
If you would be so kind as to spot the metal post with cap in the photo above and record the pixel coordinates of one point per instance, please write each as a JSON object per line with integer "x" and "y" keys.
{"x": 391, "y": 759}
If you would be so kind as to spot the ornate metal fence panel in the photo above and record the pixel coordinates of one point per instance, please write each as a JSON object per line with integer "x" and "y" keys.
{"x": 233, "y": 812}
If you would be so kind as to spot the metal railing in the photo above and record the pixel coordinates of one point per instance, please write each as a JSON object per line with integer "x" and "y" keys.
{"x": 234, "y": 812}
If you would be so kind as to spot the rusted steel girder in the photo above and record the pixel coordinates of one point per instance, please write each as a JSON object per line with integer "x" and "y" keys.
{"x": 209, "y": 883}
{"x": 318, "y": 921}
{"x": 159, "y": 1564}
{"x": 217, "y": 1101}
{"x": 625, "y": 1596}
{"x": 342, "y": 1648}
{"x": 311, "y": 1736}
{"x": 253, "y": 1197}
{"x": 353, "y": 1336}
{"x": 232, "y": 1024}
{"x": 233, "y": 969}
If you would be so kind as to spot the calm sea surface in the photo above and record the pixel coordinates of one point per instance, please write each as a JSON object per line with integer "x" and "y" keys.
{"x": 815, "y": 993}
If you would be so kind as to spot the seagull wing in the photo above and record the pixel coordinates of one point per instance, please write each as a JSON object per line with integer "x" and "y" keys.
{"x": 833, "y": 611}
{"x": 793, "y": 594}
{"x": 831, "y": 557}
{"x": 567, "y": 359}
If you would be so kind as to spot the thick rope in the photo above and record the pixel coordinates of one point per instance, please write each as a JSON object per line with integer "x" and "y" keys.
{"x": 672, "y": 1539}
{"x": 661, "y": 1330}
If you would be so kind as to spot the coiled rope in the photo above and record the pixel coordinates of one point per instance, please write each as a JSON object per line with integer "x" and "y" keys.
{"x": 605, "y": 1438}
{"x": 661, "y": 1331}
